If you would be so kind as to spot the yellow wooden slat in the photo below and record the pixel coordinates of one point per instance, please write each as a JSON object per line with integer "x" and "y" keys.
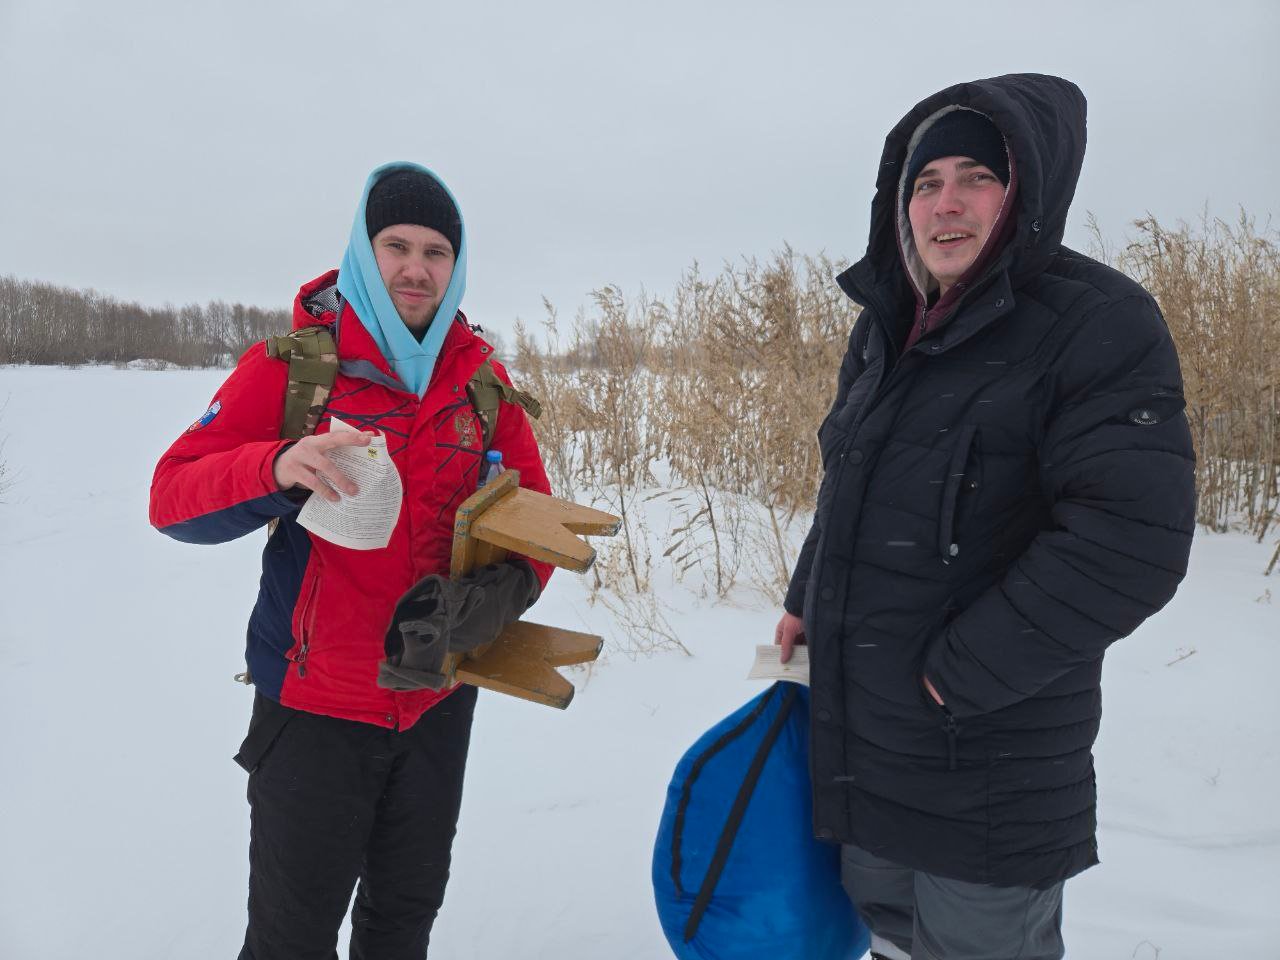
{"x": 502, "y": 517}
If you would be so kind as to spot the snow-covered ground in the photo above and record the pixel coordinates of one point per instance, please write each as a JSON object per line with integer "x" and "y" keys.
{"x": 123, "y": 823}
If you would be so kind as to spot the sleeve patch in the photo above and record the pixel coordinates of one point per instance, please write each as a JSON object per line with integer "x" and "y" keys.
{"x": 206, "y": 418}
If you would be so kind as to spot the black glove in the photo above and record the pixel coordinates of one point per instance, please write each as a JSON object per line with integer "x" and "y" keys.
{"x": 438, "y": 616}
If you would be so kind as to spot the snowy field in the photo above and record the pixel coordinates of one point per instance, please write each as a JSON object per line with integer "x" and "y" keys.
{"x": 123, "y": 825}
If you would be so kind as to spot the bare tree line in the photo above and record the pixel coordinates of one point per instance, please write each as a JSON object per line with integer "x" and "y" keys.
{"x": 41, "y": 323}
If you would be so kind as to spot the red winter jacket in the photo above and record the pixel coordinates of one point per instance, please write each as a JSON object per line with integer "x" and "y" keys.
{"x": 316, "y": 633}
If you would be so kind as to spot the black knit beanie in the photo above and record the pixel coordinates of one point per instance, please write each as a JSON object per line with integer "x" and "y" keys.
{"x": 411, "y": 196}
{"x": 960, "y": 133}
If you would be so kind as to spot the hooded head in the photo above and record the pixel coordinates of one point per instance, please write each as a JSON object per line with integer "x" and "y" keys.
{"x": 954, "y": 191}
{"x": 407, "y": 293}
{"x": 1041, "y": 120}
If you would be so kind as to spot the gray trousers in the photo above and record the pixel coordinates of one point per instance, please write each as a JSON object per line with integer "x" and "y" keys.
{"x": 918, "y": 916}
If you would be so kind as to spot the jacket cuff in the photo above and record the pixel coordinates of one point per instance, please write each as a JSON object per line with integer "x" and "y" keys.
{"x": 967, "y": 686}
{"x": 793, "y": 603}
{"x": 266, "y": 469}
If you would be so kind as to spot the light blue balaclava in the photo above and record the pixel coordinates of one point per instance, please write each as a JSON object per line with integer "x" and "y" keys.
{"x": 360, "y": 282}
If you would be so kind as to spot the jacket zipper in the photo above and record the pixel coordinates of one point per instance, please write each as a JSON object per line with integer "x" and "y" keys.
{"x": 304, "y": 630}
{"x": 953, "y": 731}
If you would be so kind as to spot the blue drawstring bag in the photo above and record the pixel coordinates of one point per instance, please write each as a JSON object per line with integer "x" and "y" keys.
{"x": 737, "y": 872}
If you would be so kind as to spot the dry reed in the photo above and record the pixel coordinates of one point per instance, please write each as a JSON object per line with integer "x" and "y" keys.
{"x": 1218, "y": 285}
{"x": 709, "y": 405}
{"x": 701, "y": 414}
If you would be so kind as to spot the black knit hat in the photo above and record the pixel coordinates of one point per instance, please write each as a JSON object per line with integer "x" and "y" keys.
{"x": 411, "y": 196}
{"x": 960, "y": 133}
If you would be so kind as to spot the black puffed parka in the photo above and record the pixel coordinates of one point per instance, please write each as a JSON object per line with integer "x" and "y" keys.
{"x": 1000, "y": 502}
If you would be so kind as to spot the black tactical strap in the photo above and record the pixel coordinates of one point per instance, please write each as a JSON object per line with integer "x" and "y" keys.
{"x": 738, "y": 812}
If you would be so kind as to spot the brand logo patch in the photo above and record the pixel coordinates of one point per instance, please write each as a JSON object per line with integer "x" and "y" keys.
{"x": 1144, "y": 417}
{"x": 207, "y": 417}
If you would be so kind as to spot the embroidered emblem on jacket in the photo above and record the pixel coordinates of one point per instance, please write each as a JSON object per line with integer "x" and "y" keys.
{"x": 465, "y": 424}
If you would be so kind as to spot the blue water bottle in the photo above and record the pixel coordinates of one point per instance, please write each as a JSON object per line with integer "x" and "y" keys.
{"x": 492, "y": 466}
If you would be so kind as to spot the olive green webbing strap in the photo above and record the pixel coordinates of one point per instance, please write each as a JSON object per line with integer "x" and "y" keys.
{"x": 313, "y": 366}
{"x": 487, "y": 390}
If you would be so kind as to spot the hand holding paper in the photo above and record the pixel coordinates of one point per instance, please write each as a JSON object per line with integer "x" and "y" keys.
{"x": 769, "y": 666}
{"x": 362, "y": 520}
{"x": 308, "y": 464}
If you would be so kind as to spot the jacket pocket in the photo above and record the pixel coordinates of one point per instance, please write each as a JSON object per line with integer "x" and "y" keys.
{"x": 305, "y": 618}
{"x": 946, "y": 721}
{"x": 962, "y": 482}
{"x": 265, "y": 726}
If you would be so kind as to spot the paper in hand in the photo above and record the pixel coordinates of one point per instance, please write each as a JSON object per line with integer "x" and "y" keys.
{"x": 769, "y": 665}
{"x": 363, "y": 521}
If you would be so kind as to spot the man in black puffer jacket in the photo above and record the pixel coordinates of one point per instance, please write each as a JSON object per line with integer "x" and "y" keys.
{"x": 1008, "y": 488}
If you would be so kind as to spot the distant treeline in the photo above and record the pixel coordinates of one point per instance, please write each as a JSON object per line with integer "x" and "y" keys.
{"x": 47, "y": 324}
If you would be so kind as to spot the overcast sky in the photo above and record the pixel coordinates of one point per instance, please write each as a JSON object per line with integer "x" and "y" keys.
{"x": 163, "y": 151}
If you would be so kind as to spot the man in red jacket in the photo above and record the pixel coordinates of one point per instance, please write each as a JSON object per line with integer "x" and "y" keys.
{"x": 355, "y": 754}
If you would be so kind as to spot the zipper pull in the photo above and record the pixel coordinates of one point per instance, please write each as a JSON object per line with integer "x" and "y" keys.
{"x": 953, "y": 730}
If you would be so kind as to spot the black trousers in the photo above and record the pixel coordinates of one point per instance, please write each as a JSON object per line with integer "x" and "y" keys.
{"x": 336, "y": 803}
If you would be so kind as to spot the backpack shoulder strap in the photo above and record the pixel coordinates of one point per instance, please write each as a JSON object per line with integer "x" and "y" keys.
{"x": 487, "y": 390}
{"x": 313, "y": 366}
